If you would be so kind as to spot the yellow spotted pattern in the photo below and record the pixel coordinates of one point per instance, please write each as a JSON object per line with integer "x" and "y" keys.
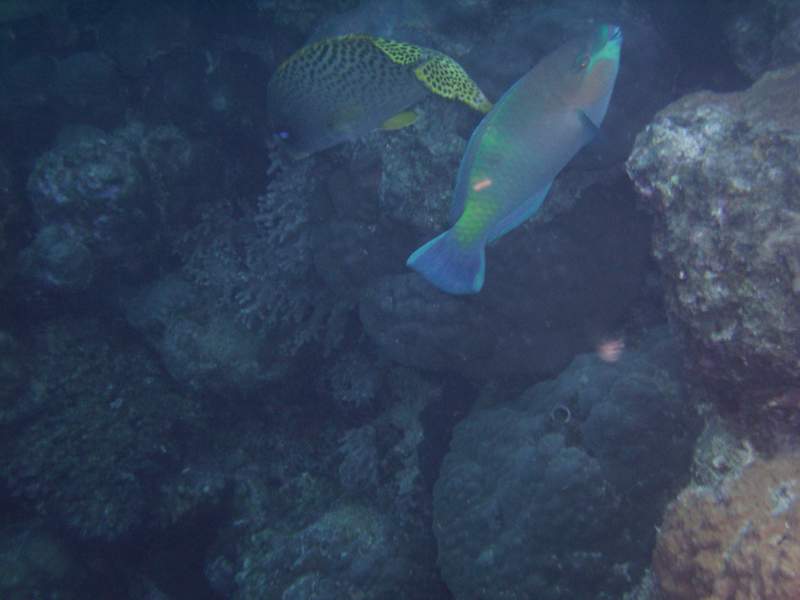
{"x": 337, "y": 72}
{"x": 340, "y": 82}
{"x": 399, "y": 52}
{"x": 445, "y": 77}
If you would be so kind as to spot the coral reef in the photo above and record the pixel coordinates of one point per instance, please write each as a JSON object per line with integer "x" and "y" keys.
{"x": 89, "y": 89}
{"x": 91, "y": 187}
{"x": 13, "y": 377}
{"x": 417, "y": 165}
{"x": 245, "y": 304}
{"x": 209, "y": 92}
{"x": 35, "y": 564}
{"x": 103, "y": 202}
{"x": 352, "y": 382}
{"x": 9, "y": 217}
{"x": 134, "y": 34}
{"x": 218, "y": 378}
{"x": 719, "y": 172}
{"x": 555, "y": 494}
{"x": 762, "y": 35}
{"x": 735, "y": 540}
{"x": 94, "y": 437}
{"x": 343, "y": 514}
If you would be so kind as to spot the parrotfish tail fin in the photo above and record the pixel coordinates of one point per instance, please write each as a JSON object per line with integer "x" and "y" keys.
{"x": 449, "y": 265}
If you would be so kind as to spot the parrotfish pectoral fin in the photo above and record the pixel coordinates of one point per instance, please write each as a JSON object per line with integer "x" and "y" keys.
{"x": 591, "y": 129}
{"x": 449, "y": 265}
{"x": 519, "y": 215}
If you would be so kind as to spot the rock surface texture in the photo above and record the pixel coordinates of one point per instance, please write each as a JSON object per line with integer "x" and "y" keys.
{"x": 555, "y": 495}
{"x": 721, "y": 173}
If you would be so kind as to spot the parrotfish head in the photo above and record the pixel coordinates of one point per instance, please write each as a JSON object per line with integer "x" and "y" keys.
{"x": 593, "y": 71}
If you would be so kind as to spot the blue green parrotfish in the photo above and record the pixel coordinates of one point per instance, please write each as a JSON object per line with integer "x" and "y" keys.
{"x": 343, "y": 87}
{"x": 516, "y": 151}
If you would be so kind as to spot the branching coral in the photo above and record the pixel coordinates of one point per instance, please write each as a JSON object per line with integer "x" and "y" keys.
{"x": 256, "y": 259}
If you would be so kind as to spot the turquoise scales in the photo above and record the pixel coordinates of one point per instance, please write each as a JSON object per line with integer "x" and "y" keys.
{"x": 516, "y": 152}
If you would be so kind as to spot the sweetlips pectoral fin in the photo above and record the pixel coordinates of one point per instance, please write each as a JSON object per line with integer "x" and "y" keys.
{"x": 400, "y": 120}
{"x": 343, "y": 118}
{"x": 445, "y": 77}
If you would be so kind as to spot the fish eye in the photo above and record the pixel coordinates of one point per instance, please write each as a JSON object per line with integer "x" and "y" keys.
{"x": 583, "y": 61}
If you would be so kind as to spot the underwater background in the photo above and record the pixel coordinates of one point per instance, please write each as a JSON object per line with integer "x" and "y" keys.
{"x": 219, "y": 379}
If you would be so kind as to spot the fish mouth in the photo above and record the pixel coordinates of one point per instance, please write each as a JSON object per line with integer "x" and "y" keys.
{"x": 615, "y": 33}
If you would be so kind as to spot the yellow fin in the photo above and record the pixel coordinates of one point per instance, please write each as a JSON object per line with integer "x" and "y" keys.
{"x": 445, "y": 77}
{"x": 398, "y": 52}
{"x": 400, "y": 120}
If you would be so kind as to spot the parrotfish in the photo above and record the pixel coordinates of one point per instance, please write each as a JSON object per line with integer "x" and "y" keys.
{"x": 516, "y": 151}
{"x": 343, "y": 87}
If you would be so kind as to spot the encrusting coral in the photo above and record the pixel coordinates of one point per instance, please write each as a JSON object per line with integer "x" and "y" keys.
{"x": 735, "y": 541}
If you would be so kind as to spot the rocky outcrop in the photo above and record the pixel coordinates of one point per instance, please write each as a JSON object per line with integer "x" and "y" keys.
{"x": 555, "y": 495}
{"x": 720, "y": 173}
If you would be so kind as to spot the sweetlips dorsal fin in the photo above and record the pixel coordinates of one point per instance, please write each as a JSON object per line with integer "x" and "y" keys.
{"x": 439, "y": 73}
{"x": 445, "y": 77}
{"x": 401, "y": 53}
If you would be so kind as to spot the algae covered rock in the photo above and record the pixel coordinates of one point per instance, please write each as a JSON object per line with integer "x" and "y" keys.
{"x": 762, "y": 35}
{"x": 90, "y": 200}
{"x": 103, "y": 201}
{"x": 720, "y": 173}
{"x": 91, "y": 438}
{"x": 554, "y": 495}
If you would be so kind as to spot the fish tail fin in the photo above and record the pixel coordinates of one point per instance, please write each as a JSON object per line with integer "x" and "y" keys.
{"x": 449, "y": 265}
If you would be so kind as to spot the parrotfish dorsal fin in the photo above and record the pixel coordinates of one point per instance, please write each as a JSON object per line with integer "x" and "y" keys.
{"x": 398, "y": 52}
{"x": 445, "y": 77}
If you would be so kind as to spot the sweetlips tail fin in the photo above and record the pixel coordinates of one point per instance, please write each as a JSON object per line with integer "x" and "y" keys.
{"x": 449, "y": 265}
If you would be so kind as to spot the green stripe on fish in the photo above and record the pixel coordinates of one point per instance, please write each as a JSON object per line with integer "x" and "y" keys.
{"x": 517, "y": 150}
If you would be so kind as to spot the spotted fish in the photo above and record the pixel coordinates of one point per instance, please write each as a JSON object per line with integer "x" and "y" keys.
{"x": 513, "y": 156}
{"x": 343, "y": 87}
